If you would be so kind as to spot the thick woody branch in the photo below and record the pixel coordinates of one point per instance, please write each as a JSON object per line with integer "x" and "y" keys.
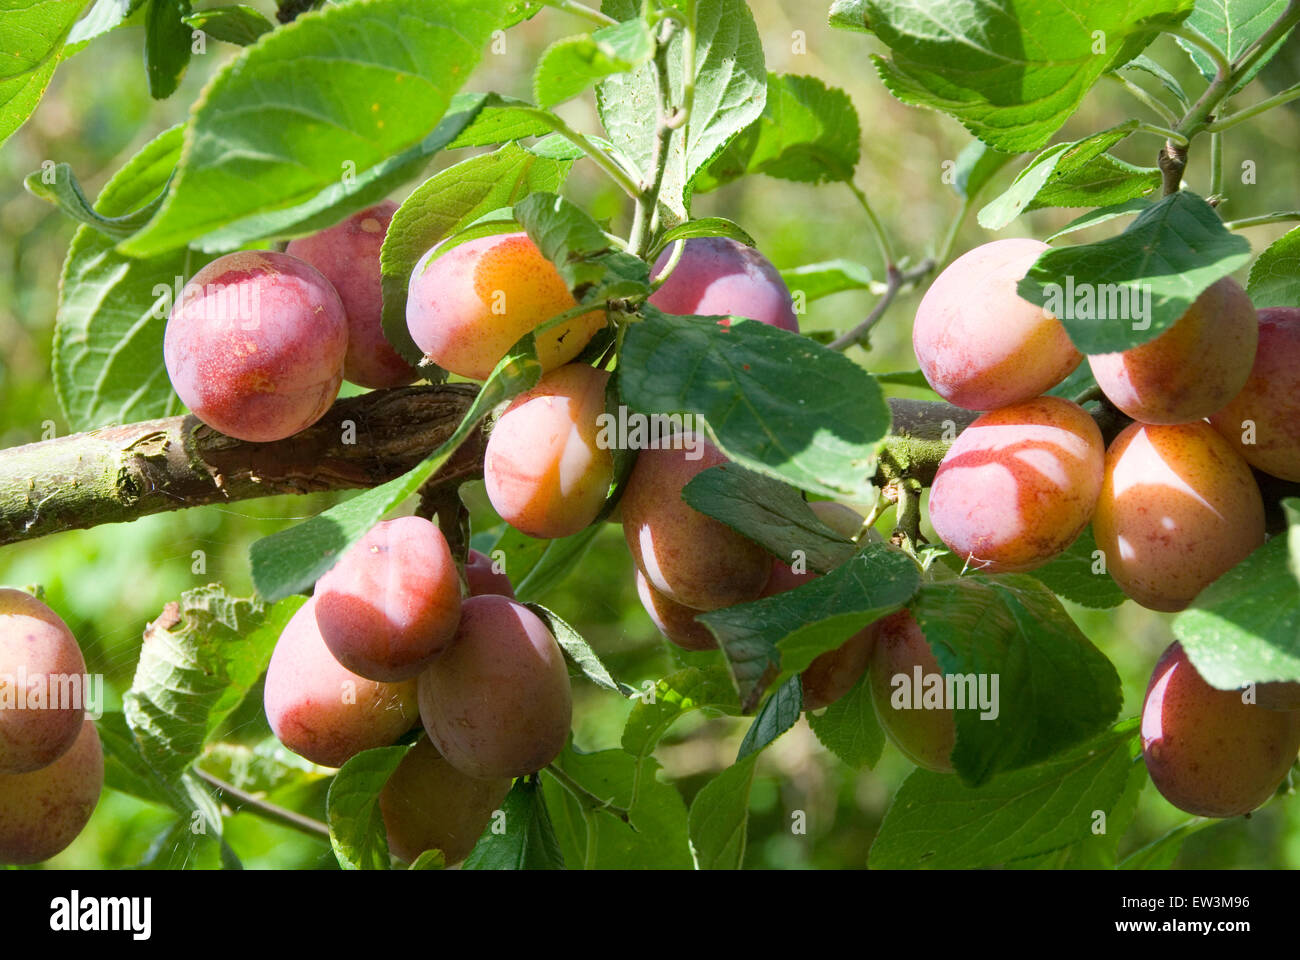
{"x": 118, "y": 474}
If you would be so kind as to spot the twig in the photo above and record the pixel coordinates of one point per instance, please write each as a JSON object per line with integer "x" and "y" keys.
{"x": 896, "y": 280}
{"x": 265, "y": 809}
{"x": 585, "y": 797}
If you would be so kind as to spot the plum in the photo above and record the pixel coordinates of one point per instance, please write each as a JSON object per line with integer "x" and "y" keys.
{"x": 717, "y": 276}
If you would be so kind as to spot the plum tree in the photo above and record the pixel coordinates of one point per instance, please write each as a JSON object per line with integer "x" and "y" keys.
{"x": 544, "y": 470}
{"x": 466, "y": 307}
{"x": 979, "y": 343}
{"x": 690, "y": 558}
{"x": 1178, "y": 508}
{"x": 717, "y": 276}
{"x": 497, "y": 703}
{"x": 1192, "y": 369}
{"x": 392, "y": 602}
{"x": 347, "y": 255}
{"x": 1263, "y": 421}
{"x": 255, "y": 345}
{"x": 39, "y": 659}
{"x": 44, "y": 810}
{"x": 482, "y": 577}
{"x": 321, "y": 710}
{"x": 925, "y": 736}
{"x": 427, "y": 804}
{"x": 1019, "y": 484}
{"x": 673, "y": 620}
{"x": 1209, "y": 753}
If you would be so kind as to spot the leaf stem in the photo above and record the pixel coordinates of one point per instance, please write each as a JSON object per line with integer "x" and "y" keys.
{"x": 877, "y": 230}
{"x": 1205, "y": 45}
{"x": 647, "y": 197}
{"x": 1216, "y": 165}
{"x": 1218, "y": 126}
{"x": 1171, "y": 135}
{"x": 1286, "y": 216}
{"x": 582, "y": 10}
{"x": 593, "y": 152}
{"x": 1167, "y": 113}
{"x": 265, "y": 809}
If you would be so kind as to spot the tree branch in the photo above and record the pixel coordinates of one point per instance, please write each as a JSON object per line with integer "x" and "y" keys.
{"x": 118, "y": 474}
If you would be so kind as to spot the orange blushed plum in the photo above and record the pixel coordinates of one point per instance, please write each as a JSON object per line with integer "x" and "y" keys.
{"x": 1018, "y": 485}
{"x": 497, "y": 703}
{"x": 43, "y": 811}
{"x": 1267, "y": 410}
{"x": 925, "y": 736}
{"x": 347, "y": 254}
{"x": 321, "y": 710}
{"x": 1193, "y": 368}
{"x": 716, "y": 276}
{"x": 392, "y": 602}
{"x": 545, "y": 471}
{"x": 428, "y": 804}
{"x": 979, "y": 343}
{"x": 690, "y": 558}
{"x": 39, "y": 659}
{"x": 1209, "y": 753}
{"x": 673, "y": 620}
{"x": 1178, "y": 509}
{"x": 467, "y": 307}
{"x": 255, "y": 345}
{"x": 482, "y": 577}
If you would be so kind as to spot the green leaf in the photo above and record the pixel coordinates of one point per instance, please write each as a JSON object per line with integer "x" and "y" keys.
{"x": 166, "y": 45}
{"x": 348, "y": 194}
{"x": 500, "y": 119}
{"x": 656, "y": 837}
{"x": 1104, "y": 180}
{"x": 813, "y": 281}
{"x": 1062, "y": 163}
{"x": 770, "y": 513}
{"x": 1161, "y": 853}
{"x": 850, "y": 15}
{"x": 1275, "y": 276}
{"x": 267, "y": 767}
{"x": 780, "y": 712}
{"x": 904, "y": 378}
{"x": 237, "y": 23}
{"x": 568, "y": 67}
{"x": 976, "y": 166}
{"x": 445, "y": 203}
{"x": 362, "y": 92}
{"x": 104, "y": 16}
{"x": 1145, "y": 64}
{"x": 1291, "y": 508}
{"x": 1101, "y": 215}
{"x": 1245, "y": 627}
{"x": 703, "y": 227}
{"x": 294, "y": 559}
{"x": 719, "y": 818}
{"x": 559, "y": 558}
{"x": 730, "y": 88}
{"x": 591, "y": 265}
{"x": 579, "y": 651}
{"x": 671, "y": 698}
{"x": 58, "y": 185}
{"x": 429, "y": 860}
{"x": 195, "y": 671}
{"x": 32, "y": 34}
{"x": 108, "y": 334}
{"x": 1011, "y": 73}
{"x": 808, "y": 133}
{"x": 528, "y": 840}
{"x": 1054, "y": 688}
{"x": 125, "y": 767}
{"x": 1099, "y": 850}
{"x": 785, "y": 633}
{"x": 1074, "y": 575}
{"x": 848, "y": 727}
{"x": 352, "y": 809}
{"x": 1157, "y": 267}
{"x": 937, "y": 822}
{"x": 1233, "y": 26}
{"x": 774, "y": 402}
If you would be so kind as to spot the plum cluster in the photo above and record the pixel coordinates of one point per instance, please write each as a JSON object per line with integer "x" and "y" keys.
{"x": 1172, "y": 501}
{"x": 51, "y": 764}
{"x": 388, "y": 641}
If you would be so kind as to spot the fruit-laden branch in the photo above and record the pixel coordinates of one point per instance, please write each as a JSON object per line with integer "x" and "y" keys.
{"x": 118, "y": 474}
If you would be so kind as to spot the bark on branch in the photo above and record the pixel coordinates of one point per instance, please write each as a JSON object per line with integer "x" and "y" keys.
{"x": 118, "y": 474}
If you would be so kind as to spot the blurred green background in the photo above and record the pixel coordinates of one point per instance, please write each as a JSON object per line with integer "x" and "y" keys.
{"x": 108, "y": 582}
